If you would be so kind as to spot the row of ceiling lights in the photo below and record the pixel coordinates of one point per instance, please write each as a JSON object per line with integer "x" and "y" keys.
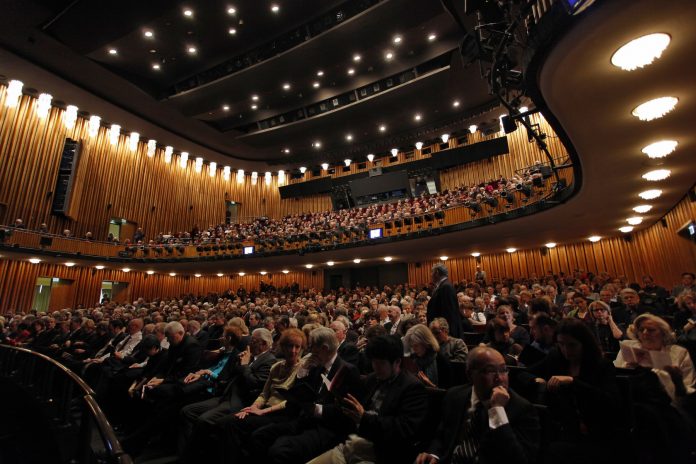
{"x": 636, "y": 54}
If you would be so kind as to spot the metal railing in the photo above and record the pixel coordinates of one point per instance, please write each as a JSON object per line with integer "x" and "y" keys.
{"x": 68, "y": 401}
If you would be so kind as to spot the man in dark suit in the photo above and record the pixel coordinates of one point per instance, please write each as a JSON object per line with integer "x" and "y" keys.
{"x": 321, "y": 424}
{"x": 486, "y": 423}
{"x": 393, "y": 414}
{"x": 443, "y": 302}
{"x": 347, "y": 351}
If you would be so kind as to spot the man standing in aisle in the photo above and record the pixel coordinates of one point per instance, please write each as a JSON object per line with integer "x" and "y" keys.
{"x": 443, "y": 302}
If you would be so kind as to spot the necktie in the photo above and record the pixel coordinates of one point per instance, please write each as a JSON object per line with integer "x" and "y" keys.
{"x": 467, "y": 451}
{"x": 120, "y": 346}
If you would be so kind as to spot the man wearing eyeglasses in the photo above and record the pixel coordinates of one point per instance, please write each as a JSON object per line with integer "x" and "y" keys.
{"x": 487, "y": 422}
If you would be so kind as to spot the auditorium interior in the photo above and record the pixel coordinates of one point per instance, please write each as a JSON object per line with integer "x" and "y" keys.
{"x": 183, "y": 183}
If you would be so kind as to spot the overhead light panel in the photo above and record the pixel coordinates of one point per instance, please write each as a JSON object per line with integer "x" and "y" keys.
{"x": 650, "y": 194}
{"x": 183, "y": 159}
{"x": 419, "y": 145}
{"x": 657, "y": 174}
{"x": 370, "y": 157}
{"x": 642, "y": 209}
{"x": 325, "y": 166}
{"x": 473, "y": 128}
{"x": 635, "y": 220}
{"x": 94, "y": 123}
{"x": 14, "y": 92}
{"x": 168, "y": 152}
{"x": 151, "y": 147}
{"x": 357, "y": 260}
{"x": 640, "y": 52}
{"x": 475, "y": 254}
{"x": 394, "y": 151}
{"x": 655, "y": 109}
{"x": 43, "y": 105}
{"x": 551, "y": 245}
{"x": 444, "y": 138}
{"x": 212, "y": 169}
{"x": 626, "y": 229}
{"x": 133, "y": 140}
{"x": 594, "y": 238}
{"x": 660, "y": 149}
{"x": 114, "y": 133}
{"x": 70, "y": 116}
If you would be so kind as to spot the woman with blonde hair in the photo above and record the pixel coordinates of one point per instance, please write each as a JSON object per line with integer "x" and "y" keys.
{"x": 421, "y": 347}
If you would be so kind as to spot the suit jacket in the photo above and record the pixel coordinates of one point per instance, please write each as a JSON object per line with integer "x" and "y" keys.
{"x": 247, "y": 382}
{"x": 181, "y": 359}
{"x": 396, "y": 427}
{"x": 202, "y": 337}
{"x": 444, "y": 303}
{"x": 517, "y": 441}
{"x": 348, "y": 352}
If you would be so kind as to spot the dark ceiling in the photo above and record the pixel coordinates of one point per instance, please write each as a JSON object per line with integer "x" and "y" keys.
{"x": 228, "y": 95}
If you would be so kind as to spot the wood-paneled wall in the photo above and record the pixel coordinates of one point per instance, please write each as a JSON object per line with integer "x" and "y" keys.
{"x": 114, "y": 182}
{"x": 657, "y": 251}
{"x": 18, "y": 278}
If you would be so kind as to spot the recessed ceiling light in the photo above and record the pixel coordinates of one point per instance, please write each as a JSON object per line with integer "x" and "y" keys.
{"x": 551, "y": 245}
{"x": 149, "y": 272}
{"x": 397, "y": 39}
{"x": 113, "y": 51}
{"x": 389, "y": 56}
{"x": 388, "y": 258}
{"x": 419, "y": 145}
{"x": 149, "y": 34}
{"x": 325, "y": 166}
{"x": 370, "y": 157}
{"x": 444, "y": 258}
{"x": 382, "y": 128}
{"x": 357, "y": 57}
{"x": 511, "y": 250}
{"x": 351, "y": 71}
{"x": 394, "y": 151}
{"x": 156, "y": 67}
{"x": 626, "y": 229}
{"x": 286, "y": 86}
{"x": 226, "y": 107}
{"x": 172, "y": 274}
{"x": 650, "y": 194}
{"x": 69, "y": 264}
{"x": 660, "y": 149}
{"x": 444, "y": 138}
{"x": 309, "y": 266}
{"x": 655, "y": 109}
{"x": 475, "y": 254}
{"x": 285, "y": 271}
{"x": 275, "y": 8}
{"x": 642, "y": 209}
{"x": 635, "y": 220}
{"x": 594, "y": 238}
{"x": 455, "y": 103}
{"x": 152, "y": 50}
{"x": 232, "y": 31}
{"x": 34, "y": 260}
{"x": 196, "y": 275}
{"x": 231, "y": 10}
{"x": 126, "y": 269}
{"x": 188, "y": 13}
{"x": 303, "y": 169}
{"x": 263, "y": 272}
{"x": 254, "y": 106}
{"x": 349, "y": 137}
{"x": 357, "y": 260}
{"x": 330, "y": 263}
{"x": 316, "y": 144}
{"x": 242, "y": 274}
{"x": 417, "y": 117}
{"x": 472, "y": 128}
{"x": 192, "y": 50}
{"x": 657, "y": 174}
{"x": 432, "y": 37}
{"x": 640, "y": 52}
{"x": 255, "y": 97}
{"x": 286, "y": 151}
{"x": 315, "y": 85}
{"x": 99, "y": 267}
{"x": 320, "y": 73}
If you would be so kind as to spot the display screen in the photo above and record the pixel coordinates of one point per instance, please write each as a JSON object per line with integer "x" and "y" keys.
{"x": 375, "y": 233}
{"x": 248, "y": 250}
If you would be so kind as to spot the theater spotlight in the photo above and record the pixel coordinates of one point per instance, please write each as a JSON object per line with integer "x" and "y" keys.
{"x": 525, "y": 189}
{"x": 507, "y": 196}
{"x": 509, "y": 124}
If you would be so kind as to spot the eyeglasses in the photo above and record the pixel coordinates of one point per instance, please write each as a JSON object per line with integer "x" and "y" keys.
{"x": 500, "y": 370}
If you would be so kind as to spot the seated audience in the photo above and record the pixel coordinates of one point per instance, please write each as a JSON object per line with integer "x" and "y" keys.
{"x": 451, "y": 348}
{"x": 422, "y": 349}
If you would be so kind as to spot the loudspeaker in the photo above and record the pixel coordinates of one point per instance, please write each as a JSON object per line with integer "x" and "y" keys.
{"x": 509, "y": 124}
{"x": 46, "y": 241}
{"x": 663, "y": 221}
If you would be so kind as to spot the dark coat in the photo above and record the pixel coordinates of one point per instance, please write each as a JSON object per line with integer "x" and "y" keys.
{"x": 348, "y": 352}
{"x": 181, "y": 359}
{"x": 444, "y": 303}
{"x": 247, "y": 382}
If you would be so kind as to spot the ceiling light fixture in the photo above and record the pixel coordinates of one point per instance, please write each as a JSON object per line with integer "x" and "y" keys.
{"x": 113, "y": 51}
{"x": 212, "y": 169}
{"x": 133, "y": 140}
{"x": 198, "y": 165}
{"x": 255, "y": 97}
{"x": 286, "y": 86}
{"x": 654, "y": 109}
{"x": 551, "y": 245}
{"x": 226, "y": 172}
{"x": 472, "y": 128}
{"x": 263, "y": 272}
{"x": 388, "y": 258}
{"x": 232, "y": 31}
{"x": 220, "y": 274}
{"x": 149, "y": 34}
{"x": 626, "y": 229}
{"x": 325, "y": 166}
{"x": 347, "y": 162}
{"x": 231, "y": 10}
{"x": 286, "y": 151}
{"x": 397, "y": 39}
{"x": 99, "y": 267}
{"x": 196, "y": 275}
{"x": 317, "y": 144}
{"x": 14, "y": 92}
{"x": 192, "y": 50}
{"x": 382, "y": 128}
{"x": 351, "y": 71}
{"x": 242, "y": 274}
{"x": 635, "y": 220}
{"x": 357, "y": 260}
{"x": 240, "y": 176}
{"x": 44, "y": 105}
{"x": 315, "y": 85}
{"x": 650, "y": 194}
{"x": 172, "y": 274}
{"x": 188, "y": 13}
{"x": 657, "y": 174}
{"x": 303, "y": 169}
{"x": 594, "y": 238}
{"x": 394, "y": 151}
{"x": 417, "y": 117}
{"x": 432, "y": 37}
{"x": 349, "y": 137}
{"x": 126, "y": 269}
{"x": 156, "y": 66}
{"x": 183, "y": 159}
{"x": 168, "y": 151}
{"x": 320, "y": 73}
{"x": 388, "y": 56}
{"x": 357, "y": 57}
{"x": 114, "y": 133}
{"x": 149, "y": 272}
{"x": 70, "y": 117}
{"x": 640, "y": 52}
{"x": 475, "y": 254}
{"x": 444, "y": 138}
{"x": 419, "y": 145}
{"x": 642, "y": 208}
{"x": 69, "y": 264}
{"x": 444, "y": 258}
{"x": 34, "y": 260}
{"x": 226, "y": 107}
{"x": 151, "y": 147}
{"x": 511, "y": 250}
{"x": 254, "y": 106}
{"x": 275, "y": 8}
{"x": 309, "y": 266}
{"x": 330, "y": 263}
{"x": 94, "y": 124}
{"x": 660, "y": 149}
{"x": 285, "y": 271}
{"x": 370, "y": 157}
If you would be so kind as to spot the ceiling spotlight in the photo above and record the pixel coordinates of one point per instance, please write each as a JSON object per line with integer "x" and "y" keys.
{"x": 472, "y": 128}
{"x": 594, "y": 238}
{"x": 149, "y": 34}
{"x": 263, "y": 272}
{"x": 660, "y": 149}
{"x": 394, "y": 151}
{"x": 231, "y": 10}
{"x": 34, "y": 260}
{"x": 113, "y": 51}
{"x": 357, "y": 58}
{"x": 347, "y": 162}
{"x": 255, "y": 98}
{"x": 444, "y": 138}
{"x": 44, "y": 105}
{"x": 417, "y": 117}
{"x": 99, "y": 267}
{"x": 388, "y": 56}
{"x": 309, "y": 266}
{"x": 188, "y": 13}
{"x": 286, "y": 86}
{"x": 226, "y": 107}
{"x": 657, "y": 174}
{"x": 650, "y": 194}
{"x": 349, "y": 137}
{"x": 172, "y": 274}
{"x": 320, "y": 73}
{"x": 655, "y": 109}
{"x": 551, "y": 245}
{"x": 522, "y": 109}
{"x": 192, "y": 50}
{"x": 397, "y": 39}
{"x": 388, "y": 258}
{"x": 275, "y": 8}
{"x": 149, "y": 272}
{"x": 69, "y": 264}
{"x": 196, "y": 275}
{"x": 642, "y": 209}
{"x": 330, "y": 263}
{"x": 455, "y": 103}
{"x": 316, "y": 144}
{"x": 475, "y": 254}
{"x": 431, "y": 37}
{"x": 315, "y": 85}
{"x": 382, "y": 128}
{"x": 242, "y": 274}
{"x": 156, "y": 66}
{"x": 325, "y": 166}
{"x": 626, "y": 229}
{"x": 351, "y": 71}
{"x": 126, "y": 269}
{"x": 254, "y": 106}
{"x": 285, "y": 271}
{"x": 370, "y": 157}
{"x": 635, "y": 220}
{"x": 444, "y": 258}
{"x": 286, "y": 151}
{"x": 511, "y": 250}
{"x": 303, "y": 169}
{"x": 640, "y": 52}
{"x": 232, "y": 31}
{"x": 419, "y": 145}
{"x": 357, "y": 260}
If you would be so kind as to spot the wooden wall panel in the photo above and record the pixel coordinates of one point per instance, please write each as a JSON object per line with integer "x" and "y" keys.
{"x": 17, "y": 280}
{"x": 657, "y": 250}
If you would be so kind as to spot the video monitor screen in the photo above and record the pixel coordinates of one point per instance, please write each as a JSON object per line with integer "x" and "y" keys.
{"x": 248, "y": 250}
{"x": 376, "y": 233}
